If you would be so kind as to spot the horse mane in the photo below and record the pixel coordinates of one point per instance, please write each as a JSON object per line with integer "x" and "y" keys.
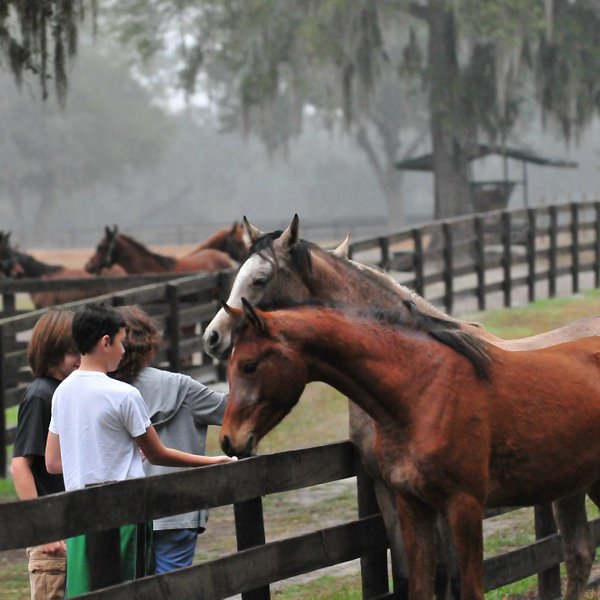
{"x": 165, "y": 261}
{"x": 34, "y": 267}
{"x": 445, "y": 331}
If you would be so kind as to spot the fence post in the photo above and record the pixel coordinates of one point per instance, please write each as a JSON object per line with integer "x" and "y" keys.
{"x": 548, "y": 580}
{"x": 250, "y": 531}
{"x": 172, "y": 293}
{"x": 575, "y": 247}
{"x": 552, "y": 251}
{"x": 506, "y": 258}
{"x": 531, "y": 230}
{"x": 448, "y": 267}
{"x": 2, "y": 408}
{"x": 384, "y": 246}
{"x": 9, "y": 306}
{"x": 373, "y": 566}
{"x": 480, "y": 261}
{"x": 418, "y": 261}
{"x": 597, "y": 245}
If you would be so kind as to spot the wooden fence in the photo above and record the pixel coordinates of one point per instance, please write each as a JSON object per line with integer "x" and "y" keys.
{"x": 258, "y": 563}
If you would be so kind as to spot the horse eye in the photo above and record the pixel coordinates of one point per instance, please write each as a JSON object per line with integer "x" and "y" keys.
{"x": 249, "y": 368}
{"x": 260, "y": 282}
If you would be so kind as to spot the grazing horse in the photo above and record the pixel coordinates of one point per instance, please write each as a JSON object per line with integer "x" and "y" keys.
{"x": 228, "y": 240}
{"x": 120, "y": 249}
{"x": 460, "y": 423}
{"x": 29, "y": 266}
{"x": 283, "y": 268}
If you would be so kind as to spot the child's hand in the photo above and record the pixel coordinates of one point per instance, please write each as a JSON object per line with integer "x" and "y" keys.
{"x": 224, "y": 459}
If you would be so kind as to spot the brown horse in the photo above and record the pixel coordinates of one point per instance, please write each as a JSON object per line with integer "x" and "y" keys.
{"x": 283, "y": 268}
{"x": 229, "y": 240}
{"x": 120, "y": 249}
{"x": 29, "y": 266}
{"x": 460, "y": 423}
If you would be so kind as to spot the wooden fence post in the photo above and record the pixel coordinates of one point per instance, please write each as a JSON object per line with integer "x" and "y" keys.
{"x": 597, "y": 245}
{"x": 506, "y": 258}
{"x": 552, "y": 251}
{"x": 548, "y": 580}
{"x": 250, "y": 532}
{"x": 418, "y": 262}
{"x": 3, "y": 456}
{"x": 531, "y": 230}
{"x": 373, "y": 567}
{"x": 575, "y": 247}
{"x": 448, "y": 267}
{"x": 172, "y": 293}
{"x": 9, "y": 306}
{"x": 480, "y": 261}
{"x": 384, "y": 246}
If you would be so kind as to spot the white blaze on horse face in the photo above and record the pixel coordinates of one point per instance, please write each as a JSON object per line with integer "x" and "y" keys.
{"x": 249, "y": 283}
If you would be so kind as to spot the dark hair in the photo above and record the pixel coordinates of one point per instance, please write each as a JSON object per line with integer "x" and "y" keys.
{"x": 143, "y": 341}
{"x": 92, "y": 322}
{"x": 51, "y": 340}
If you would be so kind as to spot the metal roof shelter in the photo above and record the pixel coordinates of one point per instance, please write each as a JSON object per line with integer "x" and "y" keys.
{"x": 488, "y": 195}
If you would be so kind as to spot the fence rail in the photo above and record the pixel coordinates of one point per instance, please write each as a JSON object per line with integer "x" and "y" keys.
{"x": 257, "y": 564}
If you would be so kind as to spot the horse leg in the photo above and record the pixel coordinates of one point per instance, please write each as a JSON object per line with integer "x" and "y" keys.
{"x": 386, "y": 499}
{"x": 447, "y": 579}
{"x": 418, "y": 523}
{"x": 571, "y": 519}
{"x": 465, "y": 517}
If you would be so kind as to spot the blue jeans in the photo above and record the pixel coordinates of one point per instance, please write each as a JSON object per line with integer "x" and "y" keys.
{"x": 174, "y": 549}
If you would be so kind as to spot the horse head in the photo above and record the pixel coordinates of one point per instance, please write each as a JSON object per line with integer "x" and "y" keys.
{"x": 274, "y": 271}
{"x": 9, "y": 262}
{"x": 234, "y": 243}
{"x": 266, "y": 381}
{"x": 105, "y": 255}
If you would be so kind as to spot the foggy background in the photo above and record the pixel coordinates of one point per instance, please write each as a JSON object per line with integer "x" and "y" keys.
{"x": 171, "y": 176}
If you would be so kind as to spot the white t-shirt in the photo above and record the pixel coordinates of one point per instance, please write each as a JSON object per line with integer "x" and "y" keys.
{"x": 97, "y": 418}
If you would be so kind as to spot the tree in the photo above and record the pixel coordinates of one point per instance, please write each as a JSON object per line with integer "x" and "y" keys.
{"x": 111, "y": 132}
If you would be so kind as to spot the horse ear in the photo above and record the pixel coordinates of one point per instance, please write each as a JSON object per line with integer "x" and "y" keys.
{"x": 252, "y": 316}
{"x": 342, "y": 250}
{"x": 115, "y": 230}
{"x": 289, "y": 238}
{"x": 253, "y": 232}
{"x": 236, "y": 313}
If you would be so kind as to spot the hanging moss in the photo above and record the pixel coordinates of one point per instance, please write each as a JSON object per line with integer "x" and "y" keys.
{"x": 40, "y": 36}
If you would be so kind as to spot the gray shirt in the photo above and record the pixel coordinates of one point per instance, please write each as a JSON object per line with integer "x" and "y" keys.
{"x": 180, "y": 409}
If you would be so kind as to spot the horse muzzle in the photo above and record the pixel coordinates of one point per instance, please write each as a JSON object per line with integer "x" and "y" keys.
{"x": 232, "y": 448}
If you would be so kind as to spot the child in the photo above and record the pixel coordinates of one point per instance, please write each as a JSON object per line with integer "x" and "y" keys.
{"x": 52, "y": 357}
{"x": 180, "y": 409}
{"x": 97, "y": 428}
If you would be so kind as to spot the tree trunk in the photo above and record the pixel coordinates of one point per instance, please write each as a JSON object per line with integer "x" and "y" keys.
{"x": 452, "y": 132}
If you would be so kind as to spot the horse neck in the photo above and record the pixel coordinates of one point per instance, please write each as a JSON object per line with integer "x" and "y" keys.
{"x": 35, "y": 268}
{"x": 216, "y": 240}
{"x": 135, "y": 258}
{"x": 339, "y": 279}
{"x": 348, "y": 354}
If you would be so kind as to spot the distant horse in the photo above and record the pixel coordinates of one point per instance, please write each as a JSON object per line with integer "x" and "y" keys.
{"x": 134, "y": 257}
{"x": 9, "y": 265}
{"x": 29, "y": 266}
{"x": 460, "y": 423}
{"x": 283, "y": 268}
{"x": 228, "y": 240}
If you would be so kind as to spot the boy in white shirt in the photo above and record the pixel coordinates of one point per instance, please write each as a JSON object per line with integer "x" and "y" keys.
{"x": 97, "y": 429}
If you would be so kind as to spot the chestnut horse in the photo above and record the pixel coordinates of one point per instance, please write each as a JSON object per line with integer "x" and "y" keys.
{"x": 460, "y": 423}
{"x": 27, "y": 265}
{"x": 283, "y": 268}
{"x": 120, "y": 249}
{"x": 228, "y": 240}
